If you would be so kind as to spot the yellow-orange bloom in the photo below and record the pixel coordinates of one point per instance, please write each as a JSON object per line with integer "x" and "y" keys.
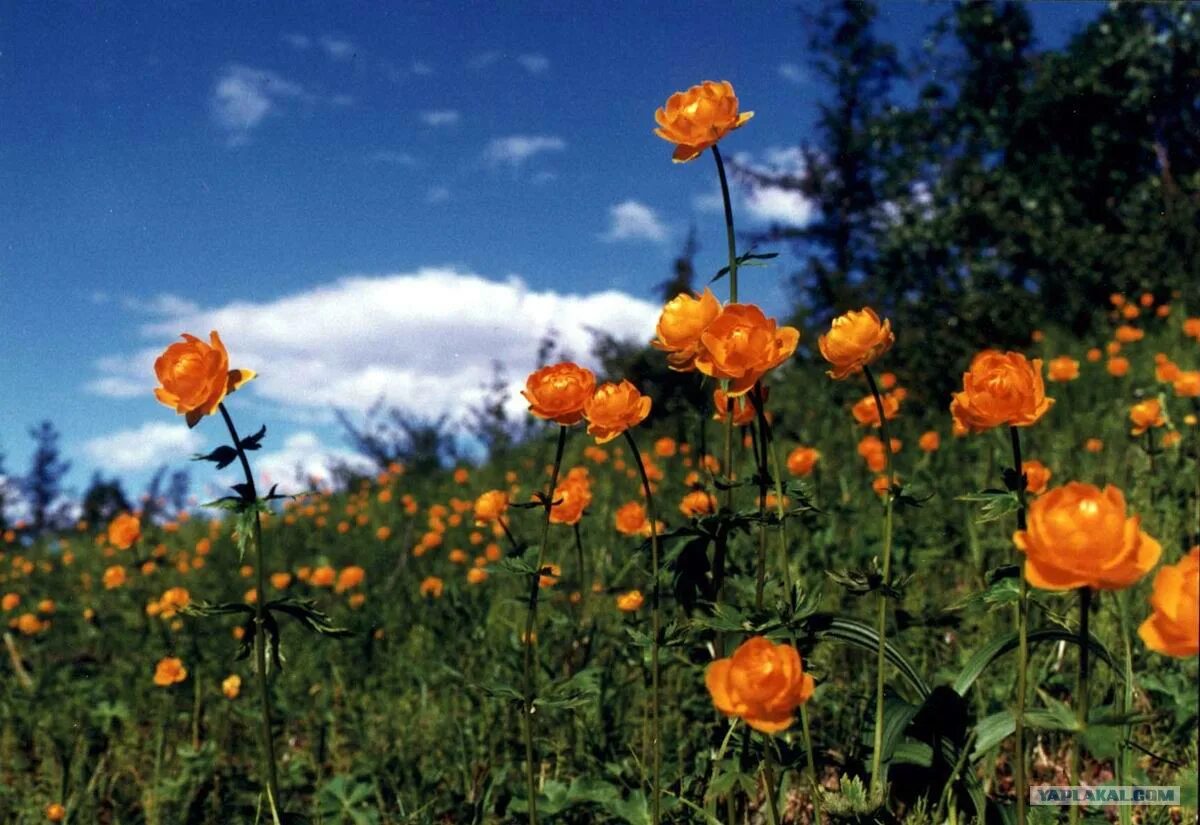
{"x": 432, "y": 586}
{"x": 1174, "y": 626}
{"x": 866, "y": 411}
{"x": 1127, "y": 334}
{"x": 741, "y": 344}
{"x": 630, "y": 602}
{"x": 572, "y": 498}
{"x": 762, "y": 682}
{"x": 231, "y": 686}
{"x": 630, "y": 518}
{"x": 1145, "y": 415}
{"x": 929, "y": 441}
{"x": 1117, "y": 366}
{"x": 1093, "y": 445}
{"x": 741, "y": 407}
{"x": 349, "y": 578}
{"x": 1062, "y": 368}
{"x": 169, "y": 671}
{"x": 1079, "y": 536}
{"x": 195, "y": 377}
{"x": 614, "y": 408}
{"x": 696, "y": 119}
{"x": 1187, "y": 384}
{"x": 697, "y": 503}
{"x": 1037, "y": 476}
{"x": 800, "y": 461}
{"x": 114, "y": 577}
{"x": 855, "y": 340}
{"x": 124, "y": 531}
{"x": 559, "y": 391}
{"x": 55, "y": 812}
{"x": 490, "y": 507}
{"x": 1000, "y": 388}
{"x": 665, "y": 447}
{"x": 1191, "y": 328}
{"x": 682, "y": 321}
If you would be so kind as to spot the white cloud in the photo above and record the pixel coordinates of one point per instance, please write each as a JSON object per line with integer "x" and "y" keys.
{"x": 423, "y": 339}
{"x": 162, "y": 304}
{"x": 483, "y": 60}
{"x": 338, "y": 48}
{"x": 304, "y": 462}
{"x": 514, "y": 150}
{"x": 143, "y": 448}
{"x": 297, "y": 41}
{"x": 634, "y": 221}
{"x": 765, "y": 204}
{"x": 244, "y": 96}
{"x": 534, "y": 63}
{"x": 420, "y": 67}
{"x": 437, "y": 194}
{"x": 792, "y": 73}
{"x": 440, "y": 117}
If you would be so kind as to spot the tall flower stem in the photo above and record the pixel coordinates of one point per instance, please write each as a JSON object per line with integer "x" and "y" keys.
{"x": 812, "y": 765}
{"x": 530, "y": 653}
{"x": 656, "y": 632}
{"x": 260, "y": 627}
{"x": 1081, "y": 694}
{"x": 1022, "y": 640}
{"x": 730, "y": 238}
{"x": 769, "y": 781}
{"x": 877, "y": 783}
{"x": 1123, "y": 768}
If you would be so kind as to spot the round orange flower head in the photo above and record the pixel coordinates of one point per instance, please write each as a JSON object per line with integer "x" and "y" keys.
{"x": 697, "y": 503}
{"x": 432, "y": 586}
{"x": 929, "y": 441}
{"x": 742, "y": 345}
{"x": 1145, "y": 415}
{"x": 614, "y": 408}
{"x": 696, "y": 119}
{"x": 559, "y": 391}
{"x": 169, "y": 671}
{"x": 1165, "y": 370}
{"x": 630, "y": 518}
{"x": 762, "y": 682}
{"x": 630, "y": 602}
{"x": 349, "y": 578}
{"x": 231, "y": 686}
{"x": 665, "y": 447}
{"x": 743, "y": 411}
{"x": 55, "y": 812}
{"x": 1037, "y": 476}
{"x": 571, "y": 499}
{"x": 1000, "y": 388}
{"x": 682, "y": 321}
{"x": 195, "y": 377}
{"x": 1063, "y": 368}
{"x": 1093, "y": 445}
{"x": 1127, "y": 334}
{"x": 1118, "y": 366}
{"x": 800, "y": 461}
{"x": 1191, "y": 328}
{"x": 1187, "y": 384}
{"x": 1094, "y": 354}
{"x": 1173, "y": 628}
{"x": 1129, "y": 312}
{"x": 855, "y": 340}
{"x": 114, "y": 577}
{"x": 1080, "y": 536}
{"x": 490, "y": 507}
{"x": 124, "y": 531}
{"x": 866, "y": 411}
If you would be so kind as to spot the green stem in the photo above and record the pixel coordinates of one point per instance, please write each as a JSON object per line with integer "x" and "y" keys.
{"x": 528, "y": 661}
{"x": 812, "y": 765}
{"x": 260, "y": 628}
{"x": 1022, "y": 642}
{"x": 1081, "y": 695}
{"x": 656, "y": 632}
{"x": 769, "y": 782}
{"x": 877, "y": 783}
{"x": 1123, "y": 767}
{"x": 730, "y": 237}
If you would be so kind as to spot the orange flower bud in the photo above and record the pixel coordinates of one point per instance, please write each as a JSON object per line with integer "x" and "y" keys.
{"x": 1094, "y": 355}
{"x": 614, "y": 408}
{"x": 1146, "y": 414}
{"x": 169, "y": 671}
{"x": 55, "y": 812}
{"x": 665, "y": 447}
{"x": 855, "y": 340}
{"x": 1037, "y": 476}
{"x": 1062, "y": 368}
{"x": 1000, "y": 388}
{"x": 1079, "y": 536}
{"x": 231, "y": 686}
{"x": 630, "y": 602}
{"x": 1191, "y": 328}
{"x": 1093, "y": 445}
{"x": 762, "y": 682}
{"x": 490, "y": 507}
{"x": 124, "y": 531}
{"x": 630, "y": 518}
{"x": 1127, "y": 334}
{"x": 196, "y": 377}
{"x": 1173, "y": 628}
{"x": 432, "y": 586}
{"x": 743, "y": 410}
{"x": 114, "y": 577}
{"x": 349, "y": 578}
{"x": 696, "y": 119}
{"x": 800, "y": 461}
{"x": 929, "y": 441}
{"x": 1118, "y": 366}
{"x": 559, "y": 391}
{"x": 866, "y": 411}
{"x": 476, "y": 575}
{"x": 742, "y": 345}
{"x": 573, "y": 497}
{"x": 680, "y": 325}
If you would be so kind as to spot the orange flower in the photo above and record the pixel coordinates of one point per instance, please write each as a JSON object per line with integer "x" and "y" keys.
{"x": 1094, "y": 355}
{"x": 743, "y": 411}
{"x": 800, "y": 461}
{"x": 742, "y": 345}
{"x": 872, "y": 451}
{"x": 196, "y": 377}
{"x": 630, "y": 602}
{"x": 1191, "y": 328}
{"x": 680, "y": 325}
{"x": 1117, "y": 299}
{"x": 696, "y": 119}
{"x": 1127, "y": 334}
{"x": 614, "y": 408}
{"x": 1118, "y": 366}
{"x": 855, "y": 340}
{"x": 1146, "y": 414}
{"x": 1093, "y": 445}
{"x": 231, "y": 686}
{"x": 697, "y": 503}
{"x": 572, "y": 498}
{"x": 114, "y": 577}
{"x": 349, "y": 578}
{"x": 1165, "y": 370}
{"x": 665, "y": 447}
{"x": 55, "y": 812}
{"x": 1062, "y": 368}
{"x": 1129, "y": 312}
{"x": 490, "y": 506}
{"x": 631, "y": 518}
{"x": 476, "y": 575}
{"x": 1037, "y": 476}
{"x": 1079, "y": 536}
{"x": 1187, "y": 384}
{"x": 169, "y": 671}
{"x": 761, "y": 682}
{"x": 124, "y": 531}
{"x": 929, "y": 441}
{"x": 1000, "y": 388}
{"x": 559, "y": 391}
{"x": 9, "y": 602}
{"x": 866, "y": 411}
{"x": 1174, "y": 626}
{"x": 550, "y": 577}
{"x": 323, "y": 576}
{"x": 280, "y": 581}
{"x": 432, "y": 586}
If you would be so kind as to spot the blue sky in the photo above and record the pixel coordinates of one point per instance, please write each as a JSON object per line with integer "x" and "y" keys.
{"x": 363, "y": 197}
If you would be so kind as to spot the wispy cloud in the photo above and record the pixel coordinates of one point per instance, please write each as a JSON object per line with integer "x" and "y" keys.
{"x": 297, "y": 41}
{"x": 162, "y": 304}
{"x": 437, "y": 194}
{"x": 339, "y": 48}
{"x": 440, "y": 117}
{"x": 534, "y": 63}
{"x": 244, "y": 96}
{"x": 391, "y": 157}
{"x": 484, "y": 60}
{"x": 793, "y": 73}
{"x": 514, "y": 150}
{"x": 303, "y": 460}
{"x": 421, "y": 68}
{"x": 143, "y": 447}
{"x": 766, "y": 204}
{"x": 634, "y": 221}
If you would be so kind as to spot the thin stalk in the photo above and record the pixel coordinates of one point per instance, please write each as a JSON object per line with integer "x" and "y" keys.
{"x": 1123, "y": 766}
{"x": 1022, "y": 642}
{"x": 877, "y": 783}
{"x": 527, "y": 665}
{"x": 730, "y": 238}
{"x": 812, "y": 765}
{"x": 656, "y": 632}
{"x": 1081, "y": 694}
{"x": 585, "y": 587}
{"x": 260, "y": 628}
{"x": 769, "y": 781}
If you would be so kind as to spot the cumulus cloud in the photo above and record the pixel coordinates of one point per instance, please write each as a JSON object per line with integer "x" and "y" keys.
{"x": 143, "y": 447}
{"x": 441, "y": 117}
{"x": 514, "y": 150}
{"x": 766, "y": 204}
{"x": 534, "y": 63}
{"x": 304, "y": 462}
{"x": 425, "y": 340}
{"x": 244, "y": 96}
{"x": 634, "y": 221}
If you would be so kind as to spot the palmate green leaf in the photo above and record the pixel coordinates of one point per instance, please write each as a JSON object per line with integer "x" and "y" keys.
{"x": 1006, "y": 644}
{"x": 749, "y": 258}
{"x": 582, "y": 688}
{"x": 1000, "y": 593}
{"x": 216, "y": 609}
{"x": 308, "y": 614}
{"x": 515, "y": 564}
{"x": 996, "y": 504}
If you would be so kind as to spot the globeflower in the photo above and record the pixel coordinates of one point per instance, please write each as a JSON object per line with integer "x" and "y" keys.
{"x": 741, "y": 344}
{"x": 762, "y": 682}
{"x": 856, "y": 339}
{"x": 683, "y": 319}
{"x": 1187, "y": 384}
{"x": 559, "y": 391}
{"x": 697, "y": 503}
{"x": 490, "y": 507}
{"x": 195, "y": 377}
{"x": 614, "y": 408}
{"x": 630, "y": 518}
{"x": 630, "y": 602}
{"x": 696, "y": 119}
{"x": 432, "y": 586}
{"x": 1173, "y": 628}
{"x": 1146, "y": 415}
{"x": 231, "y": 686}
{"x": 1037, "y": 476}
{"x": 124, "y": 531}
{"x": 1000, "y": 388}
{"x": 866, "y": 411}
{"x": 1080, "y": 536}
{"x": 802, "y": 460}
{"x": 1063, "y": 368}
{"x": 169, "y": 671}
{"x": 741, "y": 408}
